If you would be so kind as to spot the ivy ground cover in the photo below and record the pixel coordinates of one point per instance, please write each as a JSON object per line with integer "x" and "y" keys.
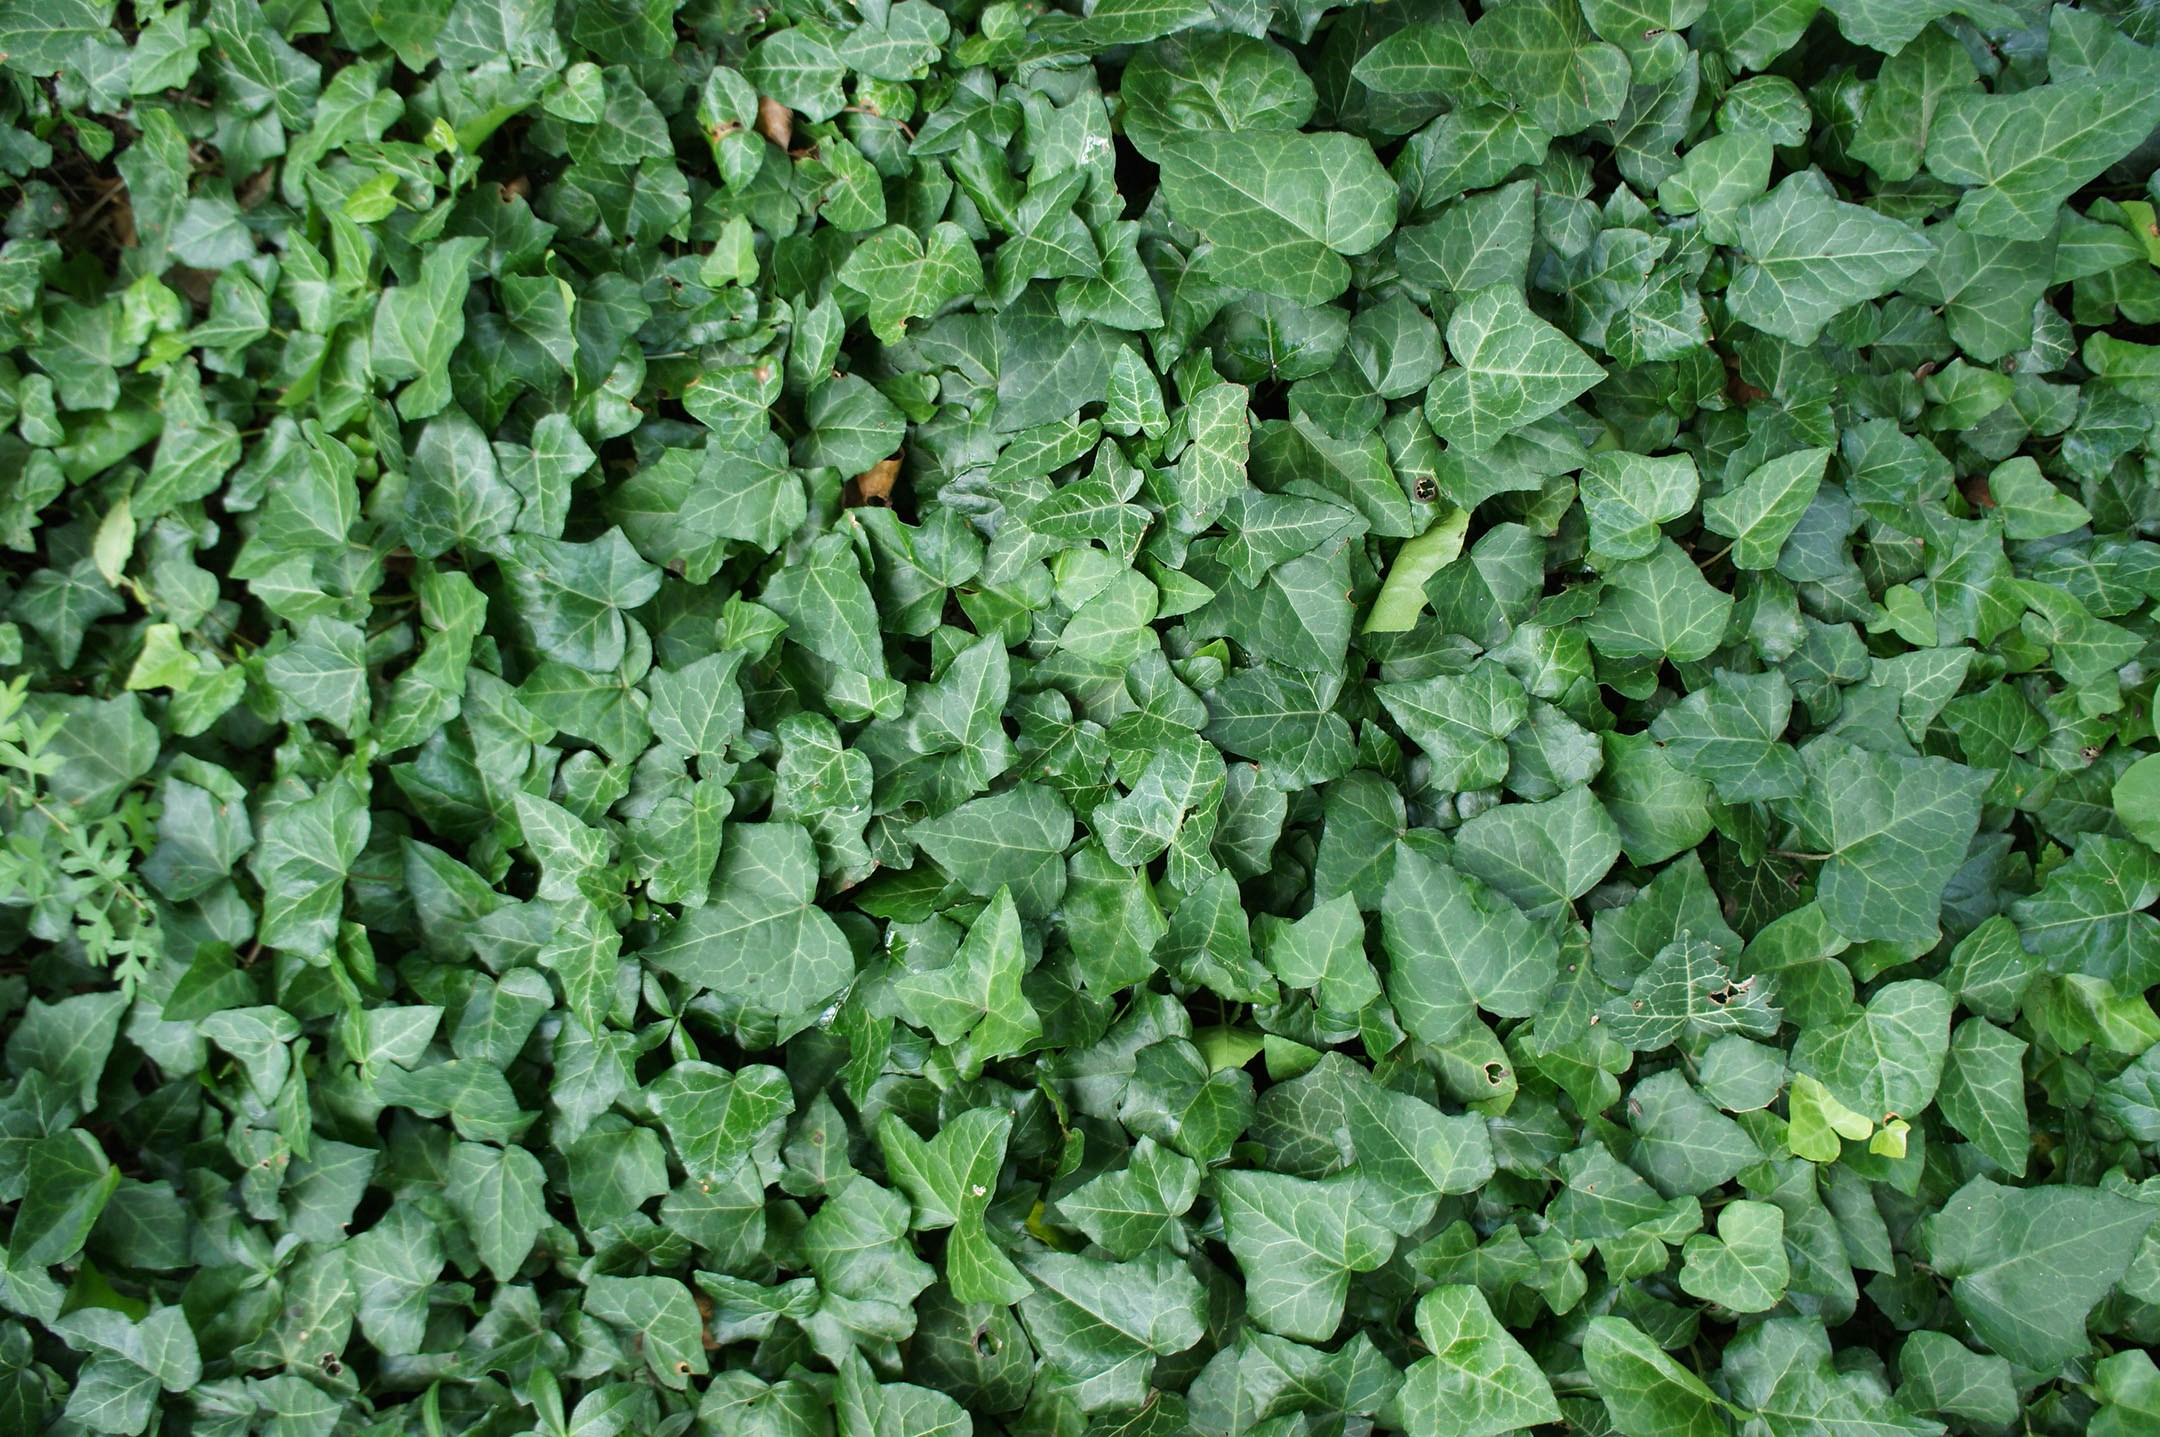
{"x": 883, "y": 718}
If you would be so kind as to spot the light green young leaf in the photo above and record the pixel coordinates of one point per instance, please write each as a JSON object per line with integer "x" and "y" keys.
{"x": 2129, "y": 1388}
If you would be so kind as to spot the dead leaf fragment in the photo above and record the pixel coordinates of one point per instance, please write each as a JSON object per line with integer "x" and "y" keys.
{"x": 873, "y": 487}
{"x": 775, "y": 121}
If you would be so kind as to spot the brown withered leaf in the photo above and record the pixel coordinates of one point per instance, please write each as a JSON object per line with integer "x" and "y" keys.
{"x": 873, "y": 487}
{"x": 775, "y": 121}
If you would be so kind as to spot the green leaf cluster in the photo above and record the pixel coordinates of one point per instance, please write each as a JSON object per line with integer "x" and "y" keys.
{"x": 901, "y": 717}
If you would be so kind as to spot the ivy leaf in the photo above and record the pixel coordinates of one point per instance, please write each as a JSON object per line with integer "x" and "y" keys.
{"x": 1461, "y": 722}
{"x": 322, "y": 675}
{"x": 905, "y": 276}
{"x": 1135, "y": 717}
{"x": 1325, "y": 952}
{"x": 867, "y": 1405}
{"x": 1174, "y": 1097}
{"x": 868, "y": 1276}
{"x": 1511, "y": 369}
{"x": 1731, "y": 732}
{"x": 418, "y": 325}
{"x": 1644, "y": 1391}
{"x": 1811, "y": 256}
{"x": 1743, "y": 1268}
{"x": 2090, "y": 916}
{"x": 1408, "y": 1151}
{"x": 1883, "y": 1061}
{"x": 760, "y": 940}
{"x": 1717, "y": 177}
{"x": 1894, "y": 829}
{"x": 950, "y": 1180}
{"x": 662, "y": 1313}
{"x": 1647, "y": 31}
{"x": 1627, "y": 496}
{"x": 1659, "y": 605}
{"x": 457, "y": 497}
{"x": 1545, "y": 60}
{"x": 574, "y": 595}
{"x": 1687, "y": 996}
{"x": 2029, "y": 506}
{"x": 2030, "y": 1264}
{"x": 1105, "y": 1324}
{"x": 1940, "y": 1374}
{"x": 1541, "y": 854}
{"x": 2130, "y": 1390}
{"x": 1820, "y": 1125}
{"x": 497, "y": 1192}
{"x": 301, "y": 858}
{"x": 977, "y": 997}
{"x": 1298, "y": 1242}
{"x": 1455, "y": 946}
{"x": 1887, "y": 25}
{"x": 685, "y": 506}
{"x": 1478, "y": 1380}
{"x": 1281, "y": 210}
{"x": 718, "y": 1122}
{"x": 1782, "y": 1371}
{"x": 1759, "y": 513}
{"x": 852, "y": 426}
{"x": 1983, "y": 1092}
{"x": 1015, "y": 840}
{"x": 1130, "y": 1210}
{"x": 39, "y": 40}
{"x": 2024, "y": 153}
